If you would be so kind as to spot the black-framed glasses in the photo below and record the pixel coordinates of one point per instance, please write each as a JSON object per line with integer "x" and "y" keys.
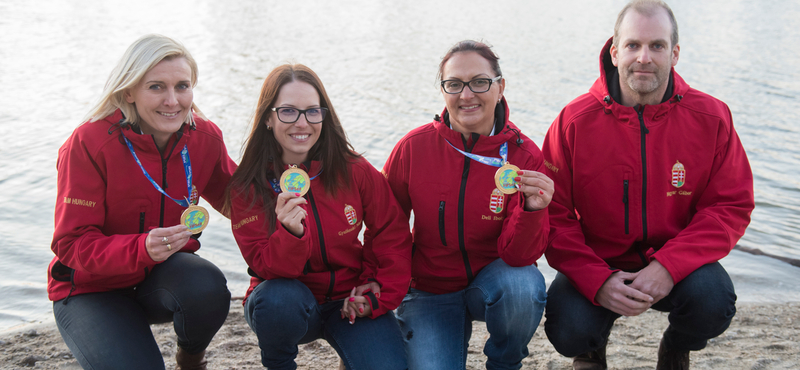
{"x": 478, "y": 85}
{"x": 291, "y": 115}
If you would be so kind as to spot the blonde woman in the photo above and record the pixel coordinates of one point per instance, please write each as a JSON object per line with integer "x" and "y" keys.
{"x": 124, "y": 256}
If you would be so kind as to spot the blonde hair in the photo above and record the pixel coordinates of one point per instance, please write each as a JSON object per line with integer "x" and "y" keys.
{"x": 140, "y": 58}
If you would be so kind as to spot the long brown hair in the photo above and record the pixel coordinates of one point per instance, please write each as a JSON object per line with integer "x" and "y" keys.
{"x": 262, "y": 158}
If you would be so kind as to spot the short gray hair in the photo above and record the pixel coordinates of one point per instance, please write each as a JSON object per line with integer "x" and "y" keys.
{"x": 648, "y": 8}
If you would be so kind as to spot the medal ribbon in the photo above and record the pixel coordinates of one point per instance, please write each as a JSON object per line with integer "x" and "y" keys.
{"x": 491, "y": 161}
{"x": 273, "y": 182}
{"x": 187, "y": 169}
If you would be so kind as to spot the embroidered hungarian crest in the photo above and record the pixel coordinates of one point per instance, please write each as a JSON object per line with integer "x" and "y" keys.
{"x": 678, "y": 174}
{"x": 350, "y": 213}
{"x": 496, "y": 201}
{"x": 193, "y": 198}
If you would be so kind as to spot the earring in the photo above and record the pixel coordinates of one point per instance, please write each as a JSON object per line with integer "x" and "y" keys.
{"x": 269, "y": 128}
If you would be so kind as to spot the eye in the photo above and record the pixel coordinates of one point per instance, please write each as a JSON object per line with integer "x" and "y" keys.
{"x": 313, "y": 111}
{"x": 452, "y": 84}
{"x": 183, "y": 86}
{"x": 155, "y": 87}
{"x": 658, "y": 46}
{"x": 480, "y": 82}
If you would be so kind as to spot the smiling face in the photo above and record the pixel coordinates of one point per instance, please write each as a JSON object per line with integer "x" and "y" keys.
{"x": 296, "y": 139}
{"x": 163, "y": 98}
{"x": 471, "y": 112}
{"x": 644, "y": 57}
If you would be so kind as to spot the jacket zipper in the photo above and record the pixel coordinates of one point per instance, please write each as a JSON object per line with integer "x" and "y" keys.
{"x": 141, "y": 222}
{"x": 441, "y": 223}
{"x": 625, "y": 202}
{"x": 643, "y": 134}
{"x": 164, "y": 162}
{"x": 461, "y": 195}
{"x": 322, "y": 247}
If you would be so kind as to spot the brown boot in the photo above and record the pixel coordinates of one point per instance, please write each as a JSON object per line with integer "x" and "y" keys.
{"x": 671, "y": 360}
{"x": 594, "y": 360}
{"x": 188, "y": 361}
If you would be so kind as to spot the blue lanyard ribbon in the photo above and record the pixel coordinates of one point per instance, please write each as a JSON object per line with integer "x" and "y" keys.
{"x": 491, "y": 161}
{"x": 187, "y": 169}
{"x": 273, "y": 182}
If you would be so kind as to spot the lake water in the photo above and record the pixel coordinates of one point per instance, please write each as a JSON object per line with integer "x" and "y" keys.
{"x": 378, "y": 60}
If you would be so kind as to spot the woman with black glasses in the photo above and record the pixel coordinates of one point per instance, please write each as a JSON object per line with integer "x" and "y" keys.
{"x": 298, "y": 201}
{"x": 479, "y": 198}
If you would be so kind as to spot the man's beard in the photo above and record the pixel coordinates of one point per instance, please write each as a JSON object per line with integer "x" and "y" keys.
{"x": 645, "y": 86}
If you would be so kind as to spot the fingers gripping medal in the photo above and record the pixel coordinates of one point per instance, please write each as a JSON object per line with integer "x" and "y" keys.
{"x": 295, "y": 180}
{"x": 504, "y": 178}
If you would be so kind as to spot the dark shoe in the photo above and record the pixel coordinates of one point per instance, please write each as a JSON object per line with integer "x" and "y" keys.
{"x": 595, "y": 360}
{"x": 671, "y": 360}
{"x": 188, "y": 361}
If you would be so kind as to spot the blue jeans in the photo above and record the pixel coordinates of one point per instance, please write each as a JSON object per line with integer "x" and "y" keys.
{"x": 700, "y": 307}
{"x": 110, "y": 330}
{"x": 284, "y": 313}
{"x": 437, "y": 327}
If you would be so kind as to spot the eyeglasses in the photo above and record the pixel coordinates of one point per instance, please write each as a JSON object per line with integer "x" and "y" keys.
{"x": 291, "y": 115}
{"x": 478, "y": 85}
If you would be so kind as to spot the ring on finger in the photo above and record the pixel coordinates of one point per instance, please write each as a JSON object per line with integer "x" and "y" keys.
{"x": 169, "y": 247}
{"x": 165, "y": 240}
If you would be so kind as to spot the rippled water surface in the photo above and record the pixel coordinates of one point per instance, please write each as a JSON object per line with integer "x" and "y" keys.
{"x": 378, "y": 60}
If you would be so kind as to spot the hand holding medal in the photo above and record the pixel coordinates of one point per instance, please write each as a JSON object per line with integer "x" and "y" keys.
{"x": 289, "y": 213}
{"x": 536, "y": 187}
{"x": 166, "y": 241}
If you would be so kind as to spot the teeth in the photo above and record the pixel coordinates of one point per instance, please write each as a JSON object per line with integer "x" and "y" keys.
{"x": 300, "y": 137}
{"x": 168, "y": 114}
{"x": 470, "y": 107}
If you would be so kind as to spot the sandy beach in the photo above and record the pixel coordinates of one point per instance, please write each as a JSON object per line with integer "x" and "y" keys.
{"x": 760, "y": 337}
{"x": 764, "y": 334}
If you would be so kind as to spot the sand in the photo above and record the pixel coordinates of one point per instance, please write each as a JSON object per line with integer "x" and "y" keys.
{"x": 761, "y": 336}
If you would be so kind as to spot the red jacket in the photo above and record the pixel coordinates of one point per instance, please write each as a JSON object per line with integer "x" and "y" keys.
{"x": 106, "y": 205}
{"x": 460, "y": 225}
{"x": 329, "y": 258}
{"x": 669, "y": 182}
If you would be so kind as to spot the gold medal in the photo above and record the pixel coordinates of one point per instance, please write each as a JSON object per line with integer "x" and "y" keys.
{"x": 504, "y": 178}
{"x": 295, "y": 180}
{"x": 195, "y": 218}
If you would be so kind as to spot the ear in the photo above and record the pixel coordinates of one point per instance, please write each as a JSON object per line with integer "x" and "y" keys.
{"x": 502, "y": 84}
{"x": 128, "y": 96}
{"x": 676, "y": 52}
{"x": 613, "y": 52}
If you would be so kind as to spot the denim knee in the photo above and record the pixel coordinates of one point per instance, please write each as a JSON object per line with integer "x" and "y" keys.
{"x": 573, "y": 324}
{"x": 704, "y": 303}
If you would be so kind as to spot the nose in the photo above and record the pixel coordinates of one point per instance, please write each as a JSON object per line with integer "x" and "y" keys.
{"x": 301, "y": 121}
{"x": 467, "y": 94}
{"x": 171, "y": 98}
{"x": 644, "y": 56}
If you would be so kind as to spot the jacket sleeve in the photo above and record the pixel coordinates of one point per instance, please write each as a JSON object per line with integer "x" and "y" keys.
{"x": 722, "y": 212}
{"x": 80, "y": 213}
{"x": 524, "y": 236}
{"x": 214, "y": 193}
{"x": 567, "y": 251}
{"x": 396, "y": 171}
{"x": 389, "y": 250}
{"x": 270, "y": 255}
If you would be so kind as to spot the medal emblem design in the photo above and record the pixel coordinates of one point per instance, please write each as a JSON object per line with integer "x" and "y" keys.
{"x": 678, "y": 174}
{"x": 295, "y": 180}
{"x": 496, "y": 201}
{"x": 350, "y": 213}
{"x": 195, "y": 218}
{"x": 504, "y": 178}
